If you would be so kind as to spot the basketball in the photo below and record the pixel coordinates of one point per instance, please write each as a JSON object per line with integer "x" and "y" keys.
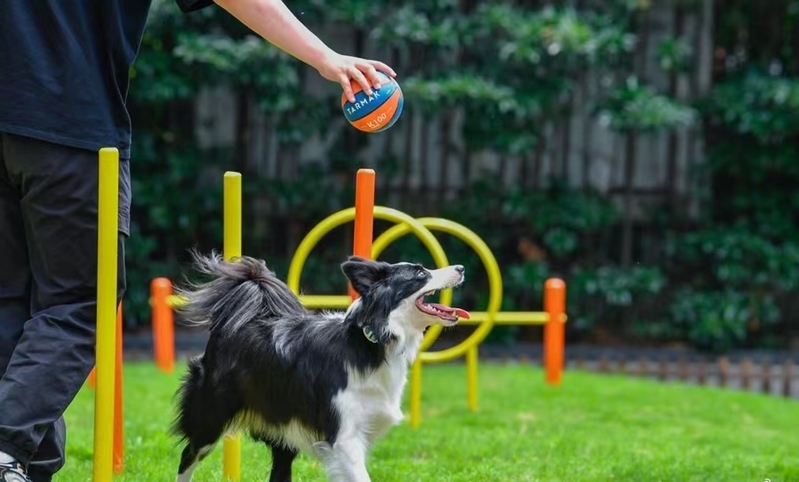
{"x": 377, "y": 112}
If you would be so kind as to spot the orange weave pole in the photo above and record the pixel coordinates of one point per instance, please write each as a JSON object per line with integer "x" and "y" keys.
{"x": 119, "y": 435}
{"x": 554, "y": 330}
{"x": 163, "y": 325}
{"x": 364, "y": 216}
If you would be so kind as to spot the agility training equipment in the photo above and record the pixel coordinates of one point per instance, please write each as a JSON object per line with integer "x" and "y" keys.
{"x": 553, "y": 317}
{"x": 106, "y": 377}
{"x": 376, "y": 112}
{"x": 118, "y": 422}
{"x": 231, "y": 249}
{"x": 363, "y": 214}
{"x": 163, "y": 325}
{"x": 104, "y": 402}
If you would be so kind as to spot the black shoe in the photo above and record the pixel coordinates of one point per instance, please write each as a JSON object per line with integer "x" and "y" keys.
{"x": 13, "y": 472}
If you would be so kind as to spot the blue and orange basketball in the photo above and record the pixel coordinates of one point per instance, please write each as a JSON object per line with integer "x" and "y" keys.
{"x": 376, "y": 112}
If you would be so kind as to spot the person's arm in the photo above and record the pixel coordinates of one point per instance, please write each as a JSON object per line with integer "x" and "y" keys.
{"x": 273, "y": 21}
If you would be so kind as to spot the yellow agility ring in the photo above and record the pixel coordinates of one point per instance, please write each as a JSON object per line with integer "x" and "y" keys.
{"x": 347, "y": 215}
{"x": 494, "y": 283}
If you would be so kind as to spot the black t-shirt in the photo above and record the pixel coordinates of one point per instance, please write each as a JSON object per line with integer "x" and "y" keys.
{"x": 64, "y": 68}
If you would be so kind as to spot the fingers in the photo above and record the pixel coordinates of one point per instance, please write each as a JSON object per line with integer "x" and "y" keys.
{"x": 365, "y": 73}
{"x": 370, "y": 72}
{"x": 383, "y": 67}
{"x": 358, "y": 76}
{"x": 347, "y": 86}
{"x": 346, "y": 78}
{"x": 371, "y": 67}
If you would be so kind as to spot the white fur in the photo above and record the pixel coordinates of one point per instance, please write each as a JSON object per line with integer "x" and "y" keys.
{"x": 368, "y": 407}
{"x": 186, "y": 476}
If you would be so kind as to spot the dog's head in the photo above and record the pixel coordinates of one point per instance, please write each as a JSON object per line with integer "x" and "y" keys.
{"x": 392, "y": 296}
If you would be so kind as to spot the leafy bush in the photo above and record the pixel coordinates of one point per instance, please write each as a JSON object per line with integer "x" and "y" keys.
{"x": 637, "y": 107}
{"x": 721, "y": 320}
{"x": 735, "y": 258}
{"x": 765, "y": 107}
{"x": 604, "y": 294}
{"x": 753, "y": 127}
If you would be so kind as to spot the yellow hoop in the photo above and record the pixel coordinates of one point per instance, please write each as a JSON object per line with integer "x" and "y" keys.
{"x": 347, "y": 215}
{"x": 494, "y": 283}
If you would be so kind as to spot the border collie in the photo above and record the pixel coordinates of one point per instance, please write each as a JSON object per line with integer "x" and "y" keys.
{"x": 328, "y": 384}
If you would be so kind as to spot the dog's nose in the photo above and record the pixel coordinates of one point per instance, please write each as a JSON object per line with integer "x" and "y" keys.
{"x": 459, "y": 268}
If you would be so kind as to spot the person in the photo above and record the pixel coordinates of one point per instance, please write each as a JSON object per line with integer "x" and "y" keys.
{"x": 63, "y": 87}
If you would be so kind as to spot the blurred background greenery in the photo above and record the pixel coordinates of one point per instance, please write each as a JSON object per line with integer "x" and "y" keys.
{"x": 646, "y": 151}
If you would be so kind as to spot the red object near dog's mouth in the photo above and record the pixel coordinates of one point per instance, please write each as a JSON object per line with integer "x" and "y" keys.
{"x": 442, "y": 311}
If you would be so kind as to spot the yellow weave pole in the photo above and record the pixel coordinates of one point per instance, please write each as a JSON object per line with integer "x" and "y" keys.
{"x": 231, "y": 455}
{"x": 416, "y": 394}
{"x": 107, "y": 229}
{"x": 471, "y": 378}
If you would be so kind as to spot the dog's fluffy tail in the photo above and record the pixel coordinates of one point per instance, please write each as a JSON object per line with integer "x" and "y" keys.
{"x": 239, "y": 291}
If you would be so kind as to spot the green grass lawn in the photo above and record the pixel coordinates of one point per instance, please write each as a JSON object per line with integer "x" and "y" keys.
{"x": 592, "y": 428}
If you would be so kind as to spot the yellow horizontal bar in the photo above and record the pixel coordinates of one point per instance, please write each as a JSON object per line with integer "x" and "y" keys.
{"x": 325, "y": 301}
{"x": 508, "y": 318}
{"x": 310, "y": 301}
{"x": 477, "y": 317}
{"x": 176, "y": 301}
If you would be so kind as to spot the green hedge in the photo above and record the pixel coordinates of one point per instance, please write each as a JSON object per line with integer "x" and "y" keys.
{"x": 718, "y": 284}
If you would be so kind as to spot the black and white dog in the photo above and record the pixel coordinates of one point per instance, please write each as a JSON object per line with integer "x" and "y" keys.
{"x": 327, "y": 384}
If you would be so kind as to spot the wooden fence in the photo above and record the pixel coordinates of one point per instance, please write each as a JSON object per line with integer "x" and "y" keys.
{"x": 769, "y": 373}
{"x": 748, "y": 375}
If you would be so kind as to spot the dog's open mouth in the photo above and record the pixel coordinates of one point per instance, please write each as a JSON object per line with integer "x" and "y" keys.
{"x": 442, "y": 311}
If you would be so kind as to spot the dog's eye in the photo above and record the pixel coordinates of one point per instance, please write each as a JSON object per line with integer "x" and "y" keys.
{"x": 421, "y": 273}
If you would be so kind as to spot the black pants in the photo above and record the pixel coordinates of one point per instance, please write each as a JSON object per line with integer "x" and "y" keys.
{"x": 48, "y": 291}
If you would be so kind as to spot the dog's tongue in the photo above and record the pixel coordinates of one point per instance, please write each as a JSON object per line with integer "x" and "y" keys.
{"x": 458, "y": 311}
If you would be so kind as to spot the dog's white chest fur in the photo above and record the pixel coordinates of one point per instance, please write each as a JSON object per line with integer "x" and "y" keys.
{"x": 371, "y": 404}
{"x": 368, "y": 407}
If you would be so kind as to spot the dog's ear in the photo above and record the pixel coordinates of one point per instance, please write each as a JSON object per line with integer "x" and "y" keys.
{"x": 372, "y": 314}
{"x": 363, "y": 273}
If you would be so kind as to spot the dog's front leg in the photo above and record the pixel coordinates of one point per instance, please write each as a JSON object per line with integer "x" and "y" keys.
{"x": 345, "y": 461}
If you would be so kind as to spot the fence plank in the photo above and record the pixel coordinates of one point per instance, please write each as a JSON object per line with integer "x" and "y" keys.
{"x": 702, "y": 376}
{"x": 603, "y": 364}
{"x": 766, "y": 376}
{"x": 724, "y": 368}
{"x": 682, "y": 369}
{"x": 746, "y": 374}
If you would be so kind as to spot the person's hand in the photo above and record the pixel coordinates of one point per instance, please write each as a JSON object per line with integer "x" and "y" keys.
{"x": 343, "y": 69}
